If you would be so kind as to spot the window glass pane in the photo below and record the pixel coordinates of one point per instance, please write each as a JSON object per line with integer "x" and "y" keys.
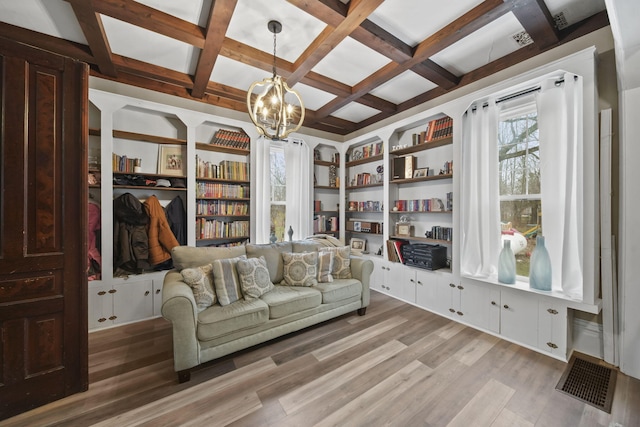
{"x": 278, "y": 192}
{"x": 519, "y": 172}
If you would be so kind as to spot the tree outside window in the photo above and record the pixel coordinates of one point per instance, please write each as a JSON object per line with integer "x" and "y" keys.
{"x": 278, "y": 192}
{"x": 519, "y": 178}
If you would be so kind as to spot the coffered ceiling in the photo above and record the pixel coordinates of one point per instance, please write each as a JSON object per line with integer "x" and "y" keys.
{"x": 353, "y": 62}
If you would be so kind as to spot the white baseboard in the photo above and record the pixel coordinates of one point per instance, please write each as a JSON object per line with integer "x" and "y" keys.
{"x": 588, "y": 338}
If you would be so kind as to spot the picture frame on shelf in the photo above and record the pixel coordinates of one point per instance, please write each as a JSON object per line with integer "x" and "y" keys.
{"x": 421, "y": 173}
{"x": 404, "y": 229}
{"x": 357, "y": 226}
{"x": 170, "y": 161}
{"x": 357, "y": 245}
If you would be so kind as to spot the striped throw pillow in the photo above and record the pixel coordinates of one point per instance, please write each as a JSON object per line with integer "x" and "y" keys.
{"x": 226, "y": 281}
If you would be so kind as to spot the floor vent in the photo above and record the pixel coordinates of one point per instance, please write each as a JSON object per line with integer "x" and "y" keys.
{"x": 587, "y": 380}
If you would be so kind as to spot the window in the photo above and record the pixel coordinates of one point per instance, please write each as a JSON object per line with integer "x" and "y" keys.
{"x": 519, "y": 180}
{"x": 278, "y": 191}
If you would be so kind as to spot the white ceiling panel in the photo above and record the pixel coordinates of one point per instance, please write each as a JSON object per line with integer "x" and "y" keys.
{"x": 575, "y": 10}
{"x": 351, "y": 62}
{"x": 355, "y": 112}
{"x": 194, "y": 11}
{"x": 249, "y": 26}
{"x": 51, "y": 17}
{"x": 412, "y": 21}
{"x": 313, "y": 98}
{"x": 143, "y": 45}
{"x": 235, "y": 74}
{"x": 482, "y": 47}
{"x": 403, "y": 87}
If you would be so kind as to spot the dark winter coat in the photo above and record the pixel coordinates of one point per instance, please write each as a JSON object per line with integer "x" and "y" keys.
{"x": 130, "y": 239}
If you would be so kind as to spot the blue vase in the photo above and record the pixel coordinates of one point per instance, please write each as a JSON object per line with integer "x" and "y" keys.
{"x": 540, "y": 267}
{"x": 507, "y": 264}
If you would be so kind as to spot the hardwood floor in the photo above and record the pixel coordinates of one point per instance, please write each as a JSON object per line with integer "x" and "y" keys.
{"x": 398, "y": 365}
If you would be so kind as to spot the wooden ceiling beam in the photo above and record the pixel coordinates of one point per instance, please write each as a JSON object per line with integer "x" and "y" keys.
{"x": 91, "y": 25}
{"x": 357, "y": 12}
{"x": 219, "y": 18}
{"x": 152, "y": 19}
{"x": 44, "y": 41}
{"x": 536, "y": 20}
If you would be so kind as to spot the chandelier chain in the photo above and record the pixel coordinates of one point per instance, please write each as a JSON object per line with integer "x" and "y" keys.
{"x": 274, "y": 54}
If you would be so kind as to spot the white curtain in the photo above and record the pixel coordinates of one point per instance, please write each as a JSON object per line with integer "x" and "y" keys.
{"x": 560, "y": 130}
{"x": 480, "y": 204}
{"x": 263, "y": 190}
{"x": 297, "y": 157}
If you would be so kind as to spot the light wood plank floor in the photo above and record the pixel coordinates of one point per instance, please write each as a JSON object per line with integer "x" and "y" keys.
{"x": 397, "y": 365}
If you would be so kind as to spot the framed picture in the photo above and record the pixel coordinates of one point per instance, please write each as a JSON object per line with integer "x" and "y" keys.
{"x": 421, "y": 173}
{"x": 357, "y": 226}
{"x": 403, "y": 229}
{"x": 357, "y": 245}
{"x": 170, "y": 161}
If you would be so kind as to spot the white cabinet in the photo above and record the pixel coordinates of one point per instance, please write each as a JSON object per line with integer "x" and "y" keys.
{"x": 553, "y": 334}
{"x": 397, "y": 281}
{"x": 377, "y": 276}
{"x": 471, "y": 304}
{"x": 157, "y": 296}
{"x": 119, "y": 303}
{"x": 519, "y": 317}
{"x": 433, "y": 291}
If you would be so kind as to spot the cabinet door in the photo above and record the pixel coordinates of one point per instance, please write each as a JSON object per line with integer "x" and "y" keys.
{"x": 133, "y": 301}
{"x": 100, "y": 307}
{"x": 157, "y": 296}
{"x": 433, "y": 291}
{"x": 474, "y": 306}
{"x": 552, "y": 327}
{"x": 519, "y": 317}
{"x": 377, "y": 276}
{"x": 407, "y": 288}
{"x": 494, "y": 311}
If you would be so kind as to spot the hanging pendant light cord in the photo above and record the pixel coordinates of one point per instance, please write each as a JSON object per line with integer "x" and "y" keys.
{"x": 274, "y": 55}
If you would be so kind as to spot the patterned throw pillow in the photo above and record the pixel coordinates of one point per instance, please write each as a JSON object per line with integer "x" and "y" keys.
{"x": 341, "y": 261}
{"x": 226, "y": 281}
{"x": 300, "y": 269}
{"x": 254, "y": 277}
{"x": 325, "y": 267}
{"x": 200, "y": 280}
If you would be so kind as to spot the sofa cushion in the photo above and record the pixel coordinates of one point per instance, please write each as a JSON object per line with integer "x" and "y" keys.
{"x": 300, "y": 269}
{"x": 190, "y": 257}
{"x": 200, "y": 280}
{"x": 226, "y": 280}
{"x": 339, "y": 289}
{"x": 286, "y": 300}
{"x": 325, "y": 267}
{"x": 341, "y": 261}
{"x": 217, "y": 320}
{"x": 254, "y": 277}
{"x": 272, "y": 253}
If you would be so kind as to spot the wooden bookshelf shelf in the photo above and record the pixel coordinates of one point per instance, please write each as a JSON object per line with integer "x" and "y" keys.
{"x": 419, "y": 212}
{"x": 424, "y": 146}
{"x": 421, "y": 179}
{"x": 359, "y": 187}
{"x": 364, "y": 161}
{"x": 422, "y": 239}
{"x": 222, "y": 149}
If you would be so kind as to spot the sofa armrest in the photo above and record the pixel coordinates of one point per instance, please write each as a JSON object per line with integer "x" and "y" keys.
{"x": 361, "y": 269}
{"x": 179, "y": 307}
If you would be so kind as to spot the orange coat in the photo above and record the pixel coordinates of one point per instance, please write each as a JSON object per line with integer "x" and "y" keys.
{"x": 161, "y": 238}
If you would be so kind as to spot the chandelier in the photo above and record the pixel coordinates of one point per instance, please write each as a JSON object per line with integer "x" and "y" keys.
{"x": 275, "y": 108}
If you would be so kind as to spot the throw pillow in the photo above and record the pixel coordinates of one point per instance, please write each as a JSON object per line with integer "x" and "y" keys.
{"x": 325, "y": 267}
{"x": 341, "y": 261}
{"x": 200, "y": 280}
{"x": 254, "y": 277}
{"x": 300, "y": 269}
{"x": 226, "y": 281}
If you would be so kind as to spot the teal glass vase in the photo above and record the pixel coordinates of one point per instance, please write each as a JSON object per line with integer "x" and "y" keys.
{"x": 540, "y": 267}
{"x": 507, "y": 264}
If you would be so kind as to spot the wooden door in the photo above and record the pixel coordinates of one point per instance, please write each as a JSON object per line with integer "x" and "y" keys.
{"x": 43, "y": 209}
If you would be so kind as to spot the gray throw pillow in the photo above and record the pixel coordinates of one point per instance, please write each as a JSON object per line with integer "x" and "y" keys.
{"x": 200, "y": 279}
{"x": 226, "y": 281}
{"x": 300, "y": 269}
{"x": 341, "y": 261}
{"x": 325, "y": 267}
{"x": 254, "y": 277}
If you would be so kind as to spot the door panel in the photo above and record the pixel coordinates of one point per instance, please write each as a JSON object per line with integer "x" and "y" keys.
{"x": 43, "y": 294}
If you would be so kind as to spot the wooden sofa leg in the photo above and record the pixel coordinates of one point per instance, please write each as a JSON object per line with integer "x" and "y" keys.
{"x": 362, "y": 311}
{"x": 184, "y": 376}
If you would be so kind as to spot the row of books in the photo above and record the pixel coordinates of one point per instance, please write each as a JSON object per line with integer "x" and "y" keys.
{"x": 218, "y": 190}
{"x": 215, "y": 229}
{"x": 436, "y": 129}
{"x": 221, "y": 207}
{"x": 368, "y": 206}
{"x": 364, "y": 152}
{"x": 364, "y": 178}
{"x": 226, "y": 169}
{"x": 124, "y": 163}
{"x": 231, "y": 138}
{"x": 323, "y": 223}
{"x": 394, "y": 250}
{"x": 440, "y": 233}
{"x": 447, "y": 168}
{"x": 433, "y": 204}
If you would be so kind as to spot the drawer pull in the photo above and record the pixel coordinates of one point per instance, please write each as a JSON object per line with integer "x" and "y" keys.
{"x": 113, "y": 317}
{"x": 102, "y": 319}
{"x": 146, "y": 293}
{"x": 506, "y": 306}
{"x": 493, "y": 303}
{"x": 552, "y": 311}
{"x": 419, "y": 283}
{"x": 102, "y": 293}
{"x": 112, "y": 291}
{"x": 157, "y": 291}
{"x": 459, "y": 313}
{"x": 452, "y": 285}
{"x": 461, "y": 287}
{"x": 452, "y": 310}
{"x": 552, "y": 345}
